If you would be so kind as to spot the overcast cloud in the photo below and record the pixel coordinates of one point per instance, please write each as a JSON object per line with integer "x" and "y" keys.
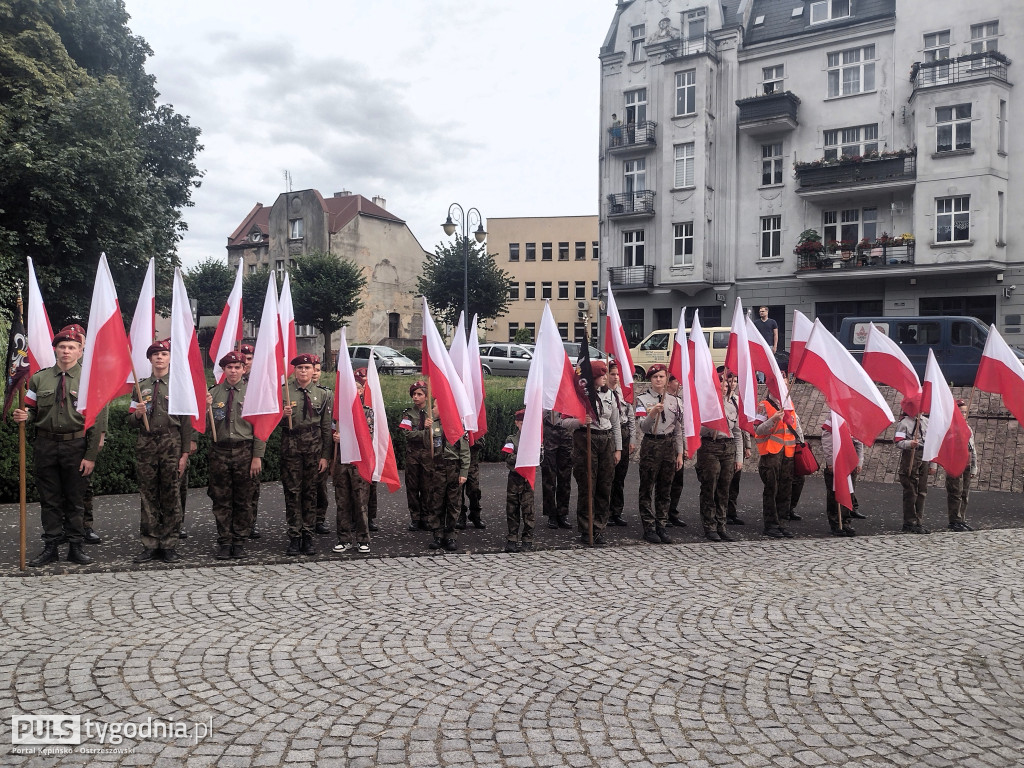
{"x": 491, "y": 104}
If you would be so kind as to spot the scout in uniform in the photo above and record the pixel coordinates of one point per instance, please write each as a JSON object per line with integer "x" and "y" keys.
{"x": 471, "y": 492}
{"x": 161, "y": 458}
{"x": 305, "y": 447}
{"x": 776, "y": 444}
{"x": 417, "y": 424}
{"x": 322, "y": 499}
{"x": 556, "y": 470}
{"x": 732, "y": 513}
{"x": 451, "y": 467}
{"x": 958, "y": 489}
{"x": 236, "y": 460}
{"x": 913, "y": 473}
{"x": 627, "y": 425}
{"x": 718, "y": 457}
{"x": 660, "y": 419}
{"x": 352, "y": 492}
{"x": 518, "y": 496}
{"x": 679, "y": 478}
{"x": 838, "y": 524}
{"x": 65, "y": 452}
{"x": 248, "y": 351}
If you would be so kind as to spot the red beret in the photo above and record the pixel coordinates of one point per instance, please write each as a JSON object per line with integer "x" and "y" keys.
{"x": 521, "y": 414}
{"x": 73, "y": 332}
{"x": 164, "y": 345}
{"x": 418, "y": 385}
{"x": 656, "y": 368}
{"x": 247, "y": 349}
{"x": 599, "y": 367}
{"x": 231, "y": 357}
{"x": 360, "y": 374}
{"x": 302, "y": 360}
{"x": 316, "y": 359}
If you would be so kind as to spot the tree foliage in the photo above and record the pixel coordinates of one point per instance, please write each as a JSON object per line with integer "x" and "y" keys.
{"x": 89, "y": 162}
{"x": 325, "y": 291}
{"x": 254, "y": 293}
{"x": 209, "y": 282}
{"x": 442, "y": 282}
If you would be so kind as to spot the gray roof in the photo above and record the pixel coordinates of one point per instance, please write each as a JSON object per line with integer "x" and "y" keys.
{"x": 779, "y": 21}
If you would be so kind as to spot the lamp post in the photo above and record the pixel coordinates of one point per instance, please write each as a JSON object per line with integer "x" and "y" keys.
{"x": 465, "y": 220}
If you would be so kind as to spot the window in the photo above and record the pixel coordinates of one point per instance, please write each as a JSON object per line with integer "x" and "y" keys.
{"x": 563, "y": 331}
{"x": 636, "y": 111}
{"x": 771, "y": 164}
{"x": 682, "y": 244}
{"x": 771, "y": 236}
{"x": 532, "y": 328}
{"x": 633, "y": 325}
{"x": 580, "y": 289}
{"x": 394, "y": 325}
{"x": 563, "y": 289}
{"x": 684, "y": 165}
{"x": 593, "y": 330}
{"x": 851, "y": 142}
{"x": 636, "y": 42}
{"x": 633, "y": 248}
{"x": 513, "y": 251}
{"x": 831, "y": 313}
{"x": 595, "y": 289}
{"x": 851, "y": 71}
{"x": 596, "y": 250}
{"x": 295, "y": 229}
{"x": 531, "y": 251}
{"x": 953, "y": 219}
{"x": 850, "y": 226}
{"x": 829, "y": 10}
{"x": 981, "y": 307}
{"x": 635, "y": 175}
{"x": 513, "y": 291}
{"x": 985, "y": 37}
{"x": 936, "y": 48}
{"x": 563, "y": 251}
{"x": 581, "y": 251}
{"x": 773, "y": 78}
{"x": 545, "y": 289}
{"x": 952, "y": 128}
{"x": 279, "y": 266}
{"x": 531, "y": 290}
{"x": 1002, "y": 126}
{"x": 545, "y": 251}
{"x": 579, "y": 333}
{"x": 253, "y": 269}
{"x": 513, "y": 329}
{"x": 686, "y": 92}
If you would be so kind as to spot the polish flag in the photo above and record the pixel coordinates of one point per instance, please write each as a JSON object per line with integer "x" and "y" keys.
{"x": 737, "y": 360}
{"x": 847, "y": 388}
{"x": 458, "y": 351}
{"x": 453, "y": 404}
{"x": 475, "y": 387}
{"x": 262, "y": 407}
{"x": 887, "y": 364}
{"x": 186, "y": 394}
{"x": 229, "y": 329}
{"x": 707, "y": 389}
{"x": 143, "y": 329}
{"x": 615, "y": 345}
{"x": 802, "y": 327}
{"x": 385, "y": 467}
{"x": 763, "y": 359}
{"x": 1001, "y": 371}
{"x": 680, "y": 365}
{"x": 108, "y": 360}
{"x": 39, "y": 331}
{"x": 844, "y": 461}
{"x": 356, "y": 445}
{"x": 550, "y": 385}
{"x": 948, "y": 434}
{"x": 290, "y": 347}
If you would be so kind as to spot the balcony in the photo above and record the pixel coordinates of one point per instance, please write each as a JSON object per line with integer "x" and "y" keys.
{"x": 630, "y": 138}
{"x": 861, "y": 259}
{"x": 770, "y": 113}
{"x": 631, "y": 277}
{"x": 825, "y": 177}
{"x": 625, "y": 205}
{"x": 972, "y": 67}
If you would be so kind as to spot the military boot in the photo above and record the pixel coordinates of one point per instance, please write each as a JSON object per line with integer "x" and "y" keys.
{"x": 307, "y": 545}
{"x": 294, "y": 545}
{"x": 50, "y": 554}
{"x": 77, "y": 555}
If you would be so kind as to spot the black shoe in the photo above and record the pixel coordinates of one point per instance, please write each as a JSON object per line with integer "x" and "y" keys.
{"x": 600, "y": 541}
{"x": 460, "y": 525}
{"x": 450, "y": 545}
{"x": 774, "y": 532}
{"x": 255, "y": 532}
{"x": 477, "y": 522}
{"x": 511, "y": 547}
{"x": 855, "y": 515}
{"x": 651, "y": 536}
{"x": 50, "y": 554}
{"x": 711, "y": 534}
{"x": 422, "y": 525}
{"x": 907, "y": 528}
{"x": 372, "y": 526}
{"x": 964, "y": 527}
{"x": 145, "y": 556}
{"x": 920, "y": 529}
{"x": 238, "y": 551}
{"x": 734, "y": 521}
{"x": 322, "y": 529}
{"x": 413, "y": 526}
{"x": 182, "y": 534}
{"x": 552, "y": 522}
{"x": 526, "y": 546}
{"x": 307, "y": 545}
{"x": 436, "y": 543}
{"x": 90, "y": 537}
{"x": 663, "y": 535}
{"x": 794, "y": 516}
{"x": 787, "y": 533}
{"x": 170, "y": 556}
{"x": 843, "y": 532}
{"x": 77, "y": 555}
{"x": 294, "y": 545}
{"x": 676, "y": 521}
{"x": 617, "y": 521}
{"x": 563, "y": 522}
{"x": 224, "y": 552}
{"x": 723, "y": 535}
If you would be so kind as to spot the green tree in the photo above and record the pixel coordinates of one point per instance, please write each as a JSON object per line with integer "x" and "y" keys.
{"x": 209, "y": 282}
{"x": 254, "y": 292}
{"x": 442, "y": 282}
{"x": 523, "y": 336}
{"x": 325, "y": 291}
{"x": 89, "y": 162}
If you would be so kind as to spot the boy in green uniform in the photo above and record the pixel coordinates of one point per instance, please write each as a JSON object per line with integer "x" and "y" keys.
{"x": 518, "y": 495}
{"x": 451, "y": 467}
{"x": 417, "y": 424}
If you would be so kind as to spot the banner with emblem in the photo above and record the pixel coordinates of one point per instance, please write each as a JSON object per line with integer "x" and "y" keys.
{"x": 17, "y": 362}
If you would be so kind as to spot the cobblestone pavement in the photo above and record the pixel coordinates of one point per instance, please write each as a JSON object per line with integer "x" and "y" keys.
{"x": 880, "y": 651}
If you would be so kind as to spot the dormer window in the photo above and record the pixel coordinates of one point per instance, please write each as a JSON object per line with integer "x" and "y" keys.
{"x": 256, "y": 237}
{"x": 829, "y": 10}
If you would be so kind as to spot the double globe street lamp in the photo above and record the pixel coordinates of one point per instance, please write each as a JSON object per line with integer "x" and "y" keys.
{"x": 465, "y": 220}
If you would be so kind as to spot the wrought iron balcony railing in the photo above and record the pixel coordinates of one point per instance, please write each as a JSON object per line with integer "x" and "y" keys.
{"x": 631, "y": 203}
{"x": 632, "y": 277}
{"x": 875, "y": 257}
{"x": 632, "y": 135}
{"x": 852, "y": 173}
{"x": 972, "y": 66}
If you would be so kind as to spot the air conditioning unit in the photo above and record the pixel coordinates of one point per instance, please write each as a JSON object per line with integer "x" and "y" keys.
{"x": 581, "y": 305}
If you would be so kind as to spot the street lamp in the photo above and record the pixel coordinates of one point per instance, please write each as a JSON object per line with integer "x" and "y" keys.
{"x": 465, "y": 220}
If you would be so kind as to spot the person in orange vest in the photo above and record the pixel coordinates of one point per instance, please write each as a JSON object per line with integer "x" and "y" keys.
{"x": 776, "y": 444}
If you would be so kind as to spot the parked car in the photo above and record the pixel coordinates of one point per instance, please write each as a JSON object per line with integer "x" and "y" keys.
{"x": 574, "y": 350}
{"x": 657, "y": 348}
{"x": 387, "y": 360}
{"x": 506, "y": 359}
{"x": 957, "y": 341}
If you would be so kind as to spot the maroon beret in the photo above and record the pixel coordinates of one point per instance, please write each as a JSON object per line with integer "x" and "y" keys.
{"x": 73, "y": 332}
{"x": 656, "y": 368}
{"x": 360, "y": 374}
{"x": 302, "y": 360}
{"x": 417, "y": 385}
{"x": 316, "y": 359}
{"x": 247, "y": 349}
{"x": 599, "y": 367}
{"x": 521, "y": 414}
{"x": 164, "y": 345}
{"x": 231, "y": 357}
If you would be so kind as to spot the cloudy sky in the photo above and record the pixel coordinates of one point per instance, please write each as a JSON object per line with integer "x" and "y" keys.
{"x": 490, "y": 104}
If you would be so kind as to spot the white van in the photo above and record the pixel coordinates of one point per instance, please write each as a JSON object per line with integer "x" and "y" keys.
{"x": 657, "y": 348}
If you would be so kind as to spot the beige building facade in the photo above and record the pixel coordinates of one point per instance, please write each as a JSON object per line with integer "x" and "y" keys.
{"x": 556, "y": 258}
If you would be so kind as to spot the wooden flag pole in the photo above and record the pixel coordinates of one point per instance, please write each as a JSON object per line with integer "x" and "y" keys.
{"x": 22, "y": 469}
{"x": 590, "y": 489}
{"x": 430, "y": 413}
{"x": 138, "y": 393}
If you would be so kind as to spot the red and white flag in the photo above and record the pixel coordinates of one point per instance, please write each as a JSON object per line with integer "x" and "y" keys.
{"x": 229, "y": 329}
{"x": 385, "y": 468}
{"x": 476, "y": 389}
{"x": 737, "y": 360}
{"x": 887, "y": 364}
{"x": 458, "y": 351}
{"x": 107, "y": 361}
{"x": 847, "y": 388}
{"x": 680, "y": 365}
{"x": 844, "y": 461}
{"x": 945, "y": 443}
{"x": 453, "y": 404}
{"x": 550, "y": 385}
{"x": 763, "y": 359}
{"x": 143, "y": 329}
{"x": 802, "y": 327}
{"x": 290, "y": 347}
{"x": 262, "y": 407}
{"x": 186, "y": 393}
{"x": 1000, "y": 370}
{"x": 38, "y": 330}
{"x": 707, "y": 389}
{"x": 355, "y": 445}
{"x": 615, "y": 345}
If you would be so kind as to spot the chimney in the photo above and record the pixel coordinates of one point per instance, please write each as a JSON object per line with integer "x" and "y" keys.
{"x": 343, "y": 193}
{"x": 380, "y": 201}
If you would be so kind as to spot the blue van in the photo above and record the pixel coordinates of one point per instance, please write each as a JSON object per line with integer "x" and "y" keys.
{"x": 957, "y": 342}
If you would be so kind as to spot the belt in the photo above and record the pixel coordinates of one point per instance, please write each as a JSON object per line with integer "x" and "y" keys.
{"x": 227, "y": 445}
{"x": 600, "y": 431}
{"x": 172, "y": 431}
{"x": 715, "y": 439}
{"x": 302, "y": 430}
{"x": 60, "y": 437}
{"x": 656, "y": 437}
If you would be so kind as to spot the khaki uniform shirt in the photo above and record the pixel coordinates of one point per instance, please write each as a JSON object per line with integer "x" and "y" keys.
{"x": 319, "y": 417}
{"x": 62, "y": 418}
{"x": 156, "y": 412}
{"x": 669, "y": 422}
{"x": 231, "y": 427}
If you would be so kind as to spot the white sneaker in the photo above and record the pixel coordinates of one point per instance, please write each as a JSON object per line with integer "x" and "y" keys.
{"x": 343, "y": 547}
{"x": 363, "y": 548}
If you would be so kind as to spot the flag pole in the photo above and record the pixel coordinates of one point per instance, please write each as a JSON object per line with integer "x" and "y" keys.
{"x": 22, "y": 489}
{"x": 213, "y": 426}
{"x": 138, "y": 392}
{"x": 590, "y": 489}
{"x": 287, "y": 389}
{"x": 430, "y": 413}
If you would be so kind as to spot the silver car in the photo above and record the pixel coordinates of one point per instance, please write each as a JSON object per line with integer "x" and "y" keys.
{"x": 506, "y": 359}
{"x": 387, "y": 360}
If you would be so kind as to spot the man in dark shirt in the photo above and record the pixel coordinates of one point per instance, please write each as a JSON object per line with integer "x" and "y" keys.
{"x": 769, "y": 329}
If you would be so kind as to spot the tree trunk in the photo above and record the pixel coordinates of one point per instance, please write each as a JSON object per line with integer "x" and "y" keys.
{"x": 327, "y": 362}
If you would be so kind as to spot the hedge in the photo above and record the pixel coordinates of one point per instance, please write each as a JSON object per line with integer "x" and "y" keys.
{"x": 115, "y": 469}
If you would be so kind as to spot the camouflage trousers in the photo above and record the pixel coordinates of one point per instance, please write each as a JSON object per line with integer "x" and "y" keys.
{"x": 254, "y": 500}
{"x": 352, "y": 498}
{"x": 300, "y": 459}
{"x": 913, "y": 475}
{"x": 447, "y": 497}
{"x": 716, "y": 463}
{"x": 958, "y": 491}
{"x": 597, "y": 482}
{"x": 419, "y": 485}
{"x": 322, "y": 499}
{"x": 471, "y": 488}
{"x": 519, "y": 508}
{"x": 657, "y": 471}
{"x": 556, "y": 471}
{"x": 157, "y": 459}
{"x": 230, "y": 490}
